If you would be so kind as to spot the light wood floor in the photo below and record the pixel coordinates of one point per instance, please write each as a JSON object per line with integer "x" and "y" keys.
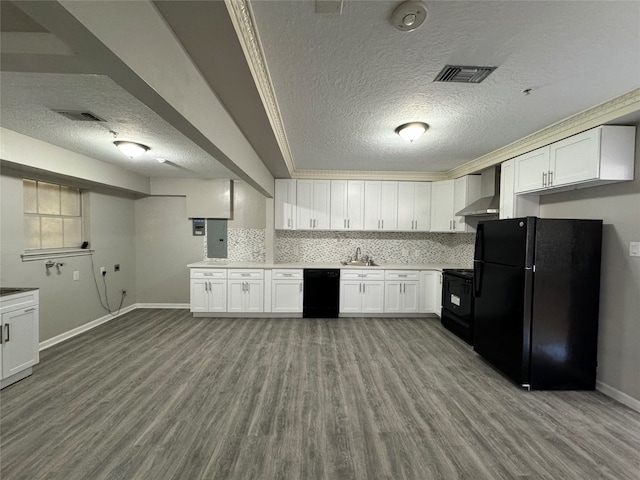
{"x": 159, "y": 395}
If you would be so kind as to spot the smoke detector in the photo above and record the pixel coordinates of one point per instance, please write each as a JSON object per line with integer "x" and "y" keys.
{"x": 409, "y": 15}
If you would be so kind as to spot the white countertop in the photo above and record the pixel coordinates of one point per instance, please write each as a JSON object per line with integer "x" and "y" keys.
{"x": 338, "y": 265}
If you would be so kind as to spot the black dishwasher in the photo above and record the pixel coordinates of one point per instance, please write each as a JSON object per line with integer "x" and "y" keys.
{"x": 321, "y": 297}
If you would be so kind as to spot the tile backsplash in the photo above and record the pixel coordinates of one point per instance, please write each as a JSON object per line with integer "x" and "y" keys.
{"x": 383, "y": 247}
{"x": 248, "y": 245}
{"x": 243, "y": 245}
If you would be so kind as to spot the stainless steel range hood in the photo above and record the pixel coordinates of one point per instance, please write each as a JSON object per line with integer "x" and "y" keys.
{"x": 482, "y": 206}
{"x": 489, "y": 205}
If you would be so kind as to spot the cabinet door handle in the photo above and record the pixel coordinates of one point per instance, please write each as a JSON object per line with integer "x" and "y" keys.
{"x": 30, "y": 310}
{"x": 360, "y": 288}
{"x": 310, "y": 223}
{"x": 289, "y": 222}
{"x": 301, "y": 288}
{"x": 544, "y": 179}
{"x": 364, "y": 287}
{"x": 344, "y": 223}
{"x": 550, "y": 178}
{"x": 349, "y": 223}
{"x": 6, "y": 327}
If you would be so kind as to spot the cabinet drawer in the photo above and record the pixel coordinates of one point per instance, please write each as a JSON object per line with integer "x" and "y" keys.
{"x": 245, "y": 273}
{"x": 402, "y": 275}
{"x": 361, "y": 274}
{"x": 286, "y": 274}
{"x": 208, "y": 273}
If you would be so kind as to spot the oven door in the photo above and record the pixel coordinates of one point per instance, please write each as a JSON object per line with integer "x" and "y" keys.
{"x": 457, "y": 296}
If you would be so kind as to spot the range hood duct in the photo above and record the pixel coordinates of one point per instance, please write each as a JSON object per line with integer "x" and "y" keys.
{"x": 484, "y": 206}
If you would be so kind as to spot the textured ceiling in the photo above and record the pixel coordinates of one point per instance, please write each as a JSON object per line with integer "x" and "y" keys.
{"x": 344, "y": 83}
{"x": 27, "y": 101}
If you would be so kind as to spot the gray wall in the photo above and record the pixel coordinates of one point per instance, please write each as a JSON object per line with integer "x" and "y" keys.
{"x": 164, "y": 245}
{"x": 619, "y": 333}
{"x": 248, "y": 207}
{"x": 64, "y": 303}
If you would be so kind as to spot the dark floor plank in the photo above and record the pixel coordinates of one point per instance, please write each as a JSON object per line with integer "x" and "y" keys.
{"x": 159, "y": 394}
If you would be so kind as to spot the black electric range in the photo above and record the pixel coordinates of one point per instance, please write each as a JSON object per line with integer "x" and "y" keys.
{"x": 457, "y": 302}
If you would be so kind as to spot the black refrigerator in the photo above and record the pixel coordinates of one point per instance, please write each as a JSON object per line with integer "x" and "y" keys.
{"x": 536, "y": 288}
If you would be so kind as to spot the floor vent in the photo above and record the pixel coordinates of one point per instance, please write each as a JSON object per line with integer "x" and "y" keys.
{"x": 80, "y": 116}
{"x": 463, "y": 74}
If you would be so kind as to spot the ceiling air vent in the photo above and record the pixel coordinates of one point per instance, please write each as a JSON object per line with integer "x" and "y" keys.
{"x": 461, "y": 74}
{"x": 79, "y": 116}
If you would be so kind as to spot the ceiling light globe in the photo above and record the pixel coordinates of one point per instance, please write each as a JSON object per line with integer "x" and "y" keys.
{"x": 412, "y": 131}
{"x": 131, "y": 149}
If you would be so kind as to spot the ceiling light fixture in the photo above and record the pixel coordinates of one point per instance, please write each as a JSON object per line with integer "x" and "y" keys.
{"x": 412, "y": 131}
{"x": 131, "y": 149}
{"x": 161, "y": 160}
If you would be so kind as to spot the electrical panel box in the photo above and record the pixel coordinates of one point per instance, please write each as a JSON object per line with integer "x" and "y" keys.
{"x": 216, "y": 238}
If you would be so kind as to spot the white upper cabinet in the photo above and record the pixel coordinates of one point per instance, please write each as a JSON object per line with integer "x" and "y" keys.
{"x": 381, "y": 206}
{"x": 285, "y": 204}
{"x": 347, "y": 204}
{"x": 466, "y": 190}
{"x": 414, "y": 206}
{"x": 512, "y": 205}
{"x": 449, "y": 197}
{"x": 313, "y": 204}
{"x": 598, "y": 156}
{"x": 442, "y": 206}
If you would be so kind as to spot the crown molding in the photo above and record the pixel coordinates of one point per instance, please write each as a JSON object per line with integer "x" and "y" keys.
{"x": 368, "y": 175}
{"x": 242, "y": 19}
{"x": 591, "y": 118}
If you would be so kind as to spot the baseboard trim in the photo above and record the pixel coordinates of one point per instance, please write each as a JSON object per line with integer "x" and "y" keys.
{"x": 621, "y": 397}
{"x": 83, "y": 328}
{"x": 99, "y": 321}
{"x": 164, "y": 305}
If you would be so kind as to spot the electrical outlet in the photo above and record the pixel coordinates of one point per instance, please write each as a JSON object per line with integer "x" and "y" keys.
{"x": 103, "y": 270}
{"x": 634, "y": 249}
{"x": 76, "y": 275}
{"x": 116, "y": 267}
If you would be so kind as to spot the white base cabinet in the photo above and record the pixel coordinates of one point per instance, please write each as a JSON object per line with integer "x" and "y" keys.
{"x": 19, "y": 336}
{"x": 208, "y": 290}
{"x": 401, "y": 291}
{"x": 361, "y": 291}
{"x": 286, "y": 291}
{"x": 245, "y": 291}
{"x": 431, "y": 291}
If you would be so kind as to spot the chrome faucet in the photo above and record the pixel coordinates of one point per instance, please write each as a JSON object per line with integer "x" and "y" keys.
{"x": 358, "y": 251}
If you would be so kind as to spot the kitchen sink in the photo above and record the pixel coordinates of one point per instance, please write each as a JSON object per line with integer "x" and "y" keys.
{"x": 360, "y": 263}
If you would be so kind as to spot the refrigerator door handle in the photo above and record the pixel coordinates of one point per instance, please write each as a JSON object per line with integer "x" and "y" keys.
{"x": 478, "y": 253}
{"x": 477, "y": 278}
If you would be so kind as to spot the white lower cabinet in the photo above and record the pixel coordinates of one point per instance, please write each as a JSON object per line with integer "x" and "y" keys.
{"x": 430, "y": 291}
{"x": 208, "y": 290}
{"x": 361, "y": 291}
{"x": 286, "y": 291}
{"x": 401, "y": 291}
{"x": 245, "y": 291}
{"x": 19, "y": 337}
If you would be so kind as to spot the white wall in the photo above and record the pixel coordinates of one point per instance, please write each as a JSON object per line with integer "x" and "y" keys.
{"x": 619, "y": 328}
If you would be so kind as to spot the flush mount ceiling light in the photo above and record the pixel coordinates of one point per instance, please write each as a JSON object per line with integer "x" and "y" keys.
{"x": 412, "y": 131}
{"x": 131, "y": 149}
{"x": 409, "y": 15}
